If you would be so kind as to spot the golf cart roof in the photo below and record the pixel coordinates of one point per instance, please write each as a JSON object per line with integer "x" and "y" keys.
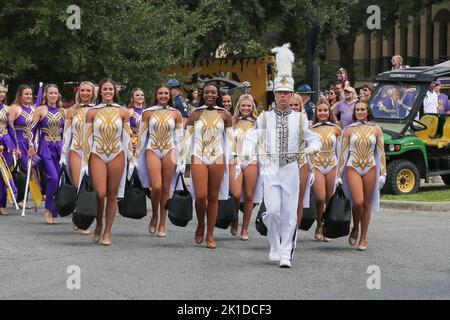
{"x": 416, "y": 74}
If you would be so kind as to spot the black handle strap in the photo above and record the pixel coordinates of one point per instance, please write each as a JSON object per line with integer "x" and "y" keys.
{"x": 182, "y": 181}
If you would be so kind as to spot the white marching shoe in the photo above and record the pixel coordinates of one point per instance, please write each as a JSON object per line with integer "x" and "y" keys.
{"x": 274, "y": 256}
{"x": 285, "y": 263}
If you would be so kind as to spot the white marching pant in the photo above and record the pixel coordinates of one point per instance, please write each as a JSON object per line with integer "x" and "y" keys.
{"x": 281, "y": 199}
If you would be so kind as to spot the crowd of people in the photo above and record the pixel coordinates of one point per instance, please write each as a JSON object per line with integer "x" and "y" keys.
{"x": 276, "y": 157}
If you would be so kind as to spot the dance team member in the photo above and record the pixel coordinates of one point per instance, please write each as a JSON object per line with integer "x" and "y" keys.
{"x": 135, "y": 108}
{"x": 245, "y": 183}
{"x": 160, "y": 136}
{"x": 74, "y": 138}
{"x": 49, "y": 123}
{"x": 208, "y": 140}
{"x": 362, "y": 167}
{"x": 107, "y": 149}
{"x": 325, "y": 162}
{"x": 8, "y": 144}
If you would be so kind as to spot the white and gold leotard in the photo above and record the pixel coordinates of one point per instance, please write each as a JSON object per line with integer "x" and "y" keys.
{"x": 107, "y": 135}
{"x": 208, "y": 136}
{"x": 161, "y": 127}
{"x": 359, "y": 148}
{"x": 326, "y": 160}
{"x": 241, "y": 128}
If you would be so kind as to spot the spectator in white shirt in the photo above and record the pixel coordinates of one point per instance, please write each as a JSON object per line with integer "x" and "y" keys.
{"x": 430, "y": 103}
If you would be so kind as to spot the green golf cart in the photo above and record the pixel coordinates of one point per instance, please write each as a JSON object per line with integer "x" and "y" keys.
{"x": 417, "y": 145}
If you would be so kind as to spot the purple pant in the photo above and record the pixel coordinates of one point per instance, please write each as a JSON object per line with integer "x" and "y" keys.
{"x": 50, "y": 168}
{"x": 3, "y": 187}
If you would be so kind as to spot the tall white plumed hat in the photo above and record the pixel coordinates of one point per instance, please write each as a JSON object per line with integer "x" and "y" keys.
{"x": 284, "y": 58}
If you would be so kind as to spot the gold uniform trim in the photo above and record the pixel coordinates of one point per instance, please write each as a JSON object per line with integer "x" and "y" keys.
{"x": 54, "y": 130}
{"x": 108, "y": 141}
{"x": 161, "y": 137}
{"x": 3, "y": 122}
{"x": 326, "y": 159}
{"x": 363, "y": 153}
{"x": 209, "y": 141}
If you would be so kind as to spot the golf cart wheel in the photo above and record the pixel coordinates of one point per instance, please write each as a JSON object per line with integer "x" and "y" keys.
{"x": 402, "y": 177}
{"x": 446, "y": 179}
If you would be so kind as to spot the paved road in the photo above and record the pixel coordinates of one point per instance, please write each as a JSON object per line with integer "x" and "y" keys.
{"x": 411, "y": 249}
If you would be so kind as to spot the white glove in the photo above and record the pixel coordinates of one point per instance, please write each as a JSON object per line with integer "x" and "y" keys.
{"x": 62, "y": 161}
{"x": 131, "y": 167}
{"x": 338, "y": 182}
{"x": 381, "y": 181}
{"x": 238, "y": 171}
{"x": 181, "y": 168}
{"x": 309, "y": 150}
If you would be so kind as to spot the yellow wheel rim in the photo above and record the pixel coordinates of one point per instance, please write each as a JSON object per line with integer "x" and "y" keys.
{"x": 406, "y": 180}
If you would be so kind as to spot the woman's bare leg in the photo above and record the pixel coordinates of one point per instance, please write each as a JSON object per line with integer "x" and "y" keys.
{"x": 250, "y": 177}
{"x": 168, "y": 168}
{"x": 320, "y": 193}
{"x": 355, "y": 184}
{"x": 98, "y": 173}
{"x": 154, "y": 167}
{"x": 215, "y": 177}
{"x": 115, "y": 170}
{"x": 303, "y": 181}
{"x": 236, "y": 189}
{"x": 369, "y": 183}
{"x": 200, "y": 177}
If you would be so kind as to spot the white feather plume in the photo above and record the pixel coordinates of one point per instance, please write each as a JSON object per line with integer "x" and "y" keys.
{"x": 285, "y": 59}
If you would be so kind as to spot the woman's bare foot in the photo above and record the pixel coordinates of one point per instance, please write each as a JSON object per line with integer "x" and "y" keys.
{"x": 353, "y": 236}
{"x": 161, "y": 232}
{"x": 244, "y": 235}
{"x": 97, "y": 234}
{"x": 199, "y": 234}
{"x": 234, "y": 228}
{"x": 210, "y": 243}
{"x": 106, "y": 240}
{"x": 48, "y": 217}
{"x": 153, "y": 223}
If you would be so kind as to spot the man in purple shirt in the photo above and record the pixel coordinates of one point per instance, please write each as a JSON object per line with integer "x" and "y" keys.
{"x": 344, "y": 109}
{"x": 443, "y": 103}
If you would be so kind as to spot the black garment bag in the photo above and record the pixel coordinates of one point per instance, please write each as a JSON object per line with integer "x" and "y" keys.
{"x": 134, "y": 203}
{"x": 66, "y": 194}
{"x": 259, "y": 224}
{"x": 227, "y": 213}
{"x": 337, "y": 216}
{"x": 180, "y": 205}
{"x": 87, "y": 201}
{"x": 309, "y": 214}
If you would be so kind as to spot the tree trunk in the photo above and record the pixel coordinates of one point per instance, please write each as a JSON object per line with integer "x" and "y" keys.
{"x": 346, "y": 44}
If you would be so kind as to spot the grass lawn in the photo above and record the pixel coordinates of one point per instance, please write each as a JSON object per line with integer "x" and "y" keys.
{"x": 425, "y": 194}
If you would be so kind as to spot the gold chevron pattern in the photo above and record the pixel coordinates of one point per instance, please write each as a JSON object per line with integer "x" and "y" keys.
{"x": 209, "y": 142}
{"x": 78, "y": 132}
{"x": 55, "y": 129}
{"x": 241, "y": 129}
{"x": 161, "y": 135}
{"x": 87, "y": 146}
{"x": 3, "y": 122}
{"x": 108, "y": 139}
{"x": 362, "y": 151}
{"x": 328, "y": 139}
{"x": 28, "y": 120}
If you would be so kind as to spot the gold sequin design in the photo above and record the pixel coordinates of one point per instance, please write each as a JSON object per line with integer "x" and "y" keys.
{"x": 241, "y": 129}
{"x": 162, "y": 133}
{"x": 78, "y": 132}
{"x": 28, "y": 120}
{"x": 54, "y": 130}
{"x": 109, "y": 138}
{"x": 328, "y": 139}
{"x": 209, "y": 142}
{"x": 362, "y": 151}
{"x": 3, "y": 122}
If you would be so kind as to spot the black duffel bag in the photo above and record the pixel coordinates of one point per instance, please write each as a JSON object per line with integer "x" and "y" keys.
{"x": 259, "y": 224}
{"x": 180, "y": 205}
{"x": 66, "y": 195}
{"x": 337, "y": 216}
{"x": 20, "y": 180}
{"x": 87, "y": 201}
{"x": 227, "y": 213}
{"x": 134, "y": 203}
{"x": 309, "y": 214}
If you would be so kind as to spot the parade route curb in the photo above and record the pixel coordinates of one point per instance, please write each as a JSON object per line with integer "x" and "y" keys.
{"x": 415, "y": 206}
